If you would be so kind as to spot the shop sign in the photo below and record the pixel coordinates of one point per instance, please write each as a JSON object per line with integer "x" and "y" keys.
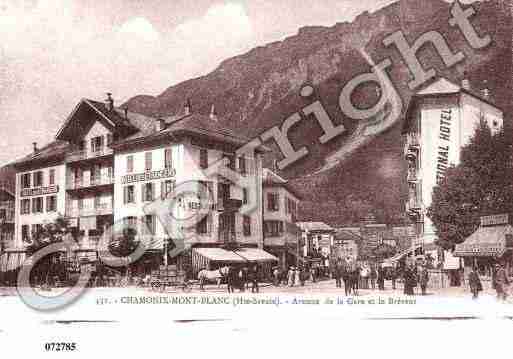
{"x": 148, "y": 176}
{"x": 27, "y": 192}
{"x": 495, "y": 220}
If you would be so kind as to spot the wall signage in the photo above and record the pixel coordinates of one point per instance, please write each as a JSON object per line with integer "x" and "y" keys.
{"x": 148, "y": 176}
{"x": 28, "y": 192}
{"x": 495, "y": 220}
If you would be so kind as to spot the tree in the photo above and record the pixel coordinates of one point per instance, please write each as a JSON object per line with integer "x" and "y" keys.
{"x": 124, "y": 245}
{"x": 481, "y": 184}
{"x": 46, "y": 235}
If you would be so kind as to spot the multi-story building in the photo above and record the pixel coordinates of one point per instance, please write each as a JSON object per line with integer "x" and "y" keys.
{"x": 107, "y": 164}
{"x": 280, "y": 206}
{"x": 317, "y": 238}
{"x": 440, "y": 120}
{"x": 346, "y": 243}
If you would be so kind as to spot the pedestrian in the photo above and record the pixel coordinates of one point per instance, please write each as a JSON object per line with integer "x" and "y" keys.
{"x": 364, "y": 276}
{"x": 242, "y": 279}
{"x": 394, "y": 272}
{"x": 254, "y": 279}
{"x": 381, "y": 277}
{"x": 373, "y": 275}
{"x": 501, "y": 282}
{"x": 337, "y": 273}
{"x": 423, "y": 279}
{"x": 290, "y": 277}
{"x": 297, "y": 276}
{"x": 276, "y": 276}
{"x": 346, "y": 276}
{"x": 303, "y": 276}
{"x": 231, "y": 279}
{"x": 312, "y": 274}
{"x": 474, "y": 283}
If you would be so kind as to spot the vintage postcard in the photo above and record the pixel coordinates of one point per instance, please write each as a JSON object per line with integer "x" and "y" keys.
{"x": 256, "y": 174}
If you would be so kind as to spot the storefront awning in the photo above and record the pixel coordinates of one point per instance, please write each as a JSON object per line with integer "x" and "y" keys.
{"x": 485, "y": 242}
{"x": 219, "y": 255}
{"x": 399, "y": 255}
{"x": 256, "y": 255}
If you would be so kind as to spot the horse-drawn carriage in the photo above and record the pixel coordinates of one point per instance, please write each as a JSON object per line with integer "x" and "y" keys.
{"x": 170, "y": 276}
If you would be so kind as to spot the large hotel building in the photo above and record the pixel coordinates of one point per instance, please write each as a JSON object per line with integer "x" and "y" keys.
{"x": 440, "y": 120}
{"x": 107, "y": 164}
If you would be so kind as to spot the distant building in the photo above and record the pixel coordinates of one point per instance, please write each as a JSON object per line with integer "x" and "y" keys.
{"x": 317, "y": 238}
{"x": 439, "y": 121}
{"x": 280, "y": 206}
{"x": 346, "y": 243}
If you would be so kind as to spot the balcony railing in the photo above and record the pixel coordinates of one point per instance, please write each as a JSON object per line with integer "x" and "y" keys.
{"x": 87, "y": 154}
{"x": 98, "y": 210}
{"x": 84, "y": 182}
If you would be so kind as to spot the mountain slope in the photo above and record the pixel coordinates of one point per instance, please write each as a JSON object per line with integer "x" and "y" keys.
{"x": 259, "y": 89}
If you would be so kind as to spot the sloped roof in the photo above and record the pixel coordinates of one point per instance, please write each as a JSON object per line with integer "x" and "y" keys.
{"x": 271, "y": 179}
{"x": 314, "y": 226}
{"x": 346, "y": 235}
{"x": 192, "y": 124}
{"x": 53, "y": 151}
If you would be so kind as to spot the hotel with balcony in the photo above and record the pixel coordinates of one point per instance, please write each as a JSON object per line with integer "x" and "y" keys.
{"x": 440, "y": 120}
{"x": 107, "y": 164}
{"x": 280, "y": 205}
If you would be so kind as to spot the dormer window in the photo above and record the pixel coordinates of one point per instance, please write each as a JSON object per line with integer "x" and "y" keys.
{"x": 97, "y": 144}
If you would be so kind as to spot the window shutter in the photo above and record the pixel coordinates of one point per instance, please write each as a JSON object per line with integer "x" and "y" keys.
{"x": 125, "y": 195}
{"x": 163, "y": 190}
{"x": 143, "y": 197}
{"x": 152, "y": 185}
{"x": 168, "y": 158}
{"x": 48, "y": 208}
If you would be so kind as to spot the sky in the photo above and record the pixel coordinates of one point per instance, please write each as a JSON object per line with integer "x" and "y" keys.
{"x": 55, "y": 52}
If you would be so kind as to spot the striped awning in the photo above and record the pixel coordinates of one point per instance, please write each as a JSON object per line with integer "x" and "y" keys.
{"x": 219, "y": 255}
{"x": 485, "y": 242}
{"x": 256, "y": 255}
{"x": 10, "y": 261}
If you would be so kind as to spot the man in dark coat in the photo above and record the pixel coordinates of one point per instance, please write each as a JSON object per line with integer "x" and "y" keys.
{"x": 232, "y": 278}
{"x": 337, "y": 273}
{"x": 373, "y": 276}
{"x": 423, "y": 279}
{"x": 381, "y": 278}
{"x": 410, "y": 280}
{"x": 475, "y": 283}
{"x": 255, "y": 274}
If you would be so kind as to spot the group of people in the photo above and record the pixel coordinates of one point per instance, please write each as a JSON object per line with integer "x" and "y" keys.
{"x": 242, "y": 277}
{"x": 293, "y": 276}
{"x": 415, "y": 276}
{"x": 500, "y": 282}
{"x": 357, "y": 276}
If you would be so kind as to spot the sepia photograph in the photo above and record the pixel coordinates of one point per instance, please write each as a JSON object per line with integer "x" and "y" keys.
{"x": 255, "y": 174}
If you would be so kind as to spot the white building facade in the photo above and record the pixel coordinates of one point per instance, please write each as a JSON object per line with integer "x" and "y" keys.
{"x": 440, "y": 120}
{"x": 108, "y": 165}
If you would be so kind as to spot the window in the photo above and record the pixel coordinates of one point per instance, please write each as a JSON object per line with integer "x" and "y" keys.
{"x": 130, "y": 223}
{"x": 97, "y": 144}
{"x": 25, "y": 235}
{"x": 38, "y": 179}
{"x": 273, "y": 228}
{"x": 231, "y": 164}
{"x": 246, "y": 225}
{"x": 168, "y": 158}
{"x": 242, "y": 166}
{"x": 203, "y": 158}
{"x": 147, "y": 161}
{"x": 244, "y": 196}
{"x": 81, "y": 145}
{"x": 150, "y": 224}
{"x": 51, "y": 203}
{"x": 37, "y": 205}
{"x": 273, "y": 202}
{"x": 109, "y": 139}
{"x": 25, "y": 206}
{"x": 129, "y": 164}
{"x": 128, "y": 194}
{"x": 25, "y": 180}
{"x": 202, "y": 226}
{"x": 166, "y": 188}
{"x": 148, "y": 192}
{"x": 52, "y": 177}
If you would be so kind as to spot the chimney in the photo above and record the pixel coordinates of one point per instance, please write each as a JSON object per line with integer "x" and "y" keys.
{"x": 485, "y": 92}
{"x": 213, "y": 114}
{"x": 34, "y": 145}
{"x": 126, "y": 113}
{"x": 160, "y": 124}
{"x": 188, "y": 107}
{"x": 465, "y": 82}
{"x": 109, "y": 102}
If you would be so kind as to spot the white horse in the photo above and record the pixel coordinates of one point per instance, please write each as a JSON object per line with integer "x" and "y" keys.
{"x": 216, "y": 275}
